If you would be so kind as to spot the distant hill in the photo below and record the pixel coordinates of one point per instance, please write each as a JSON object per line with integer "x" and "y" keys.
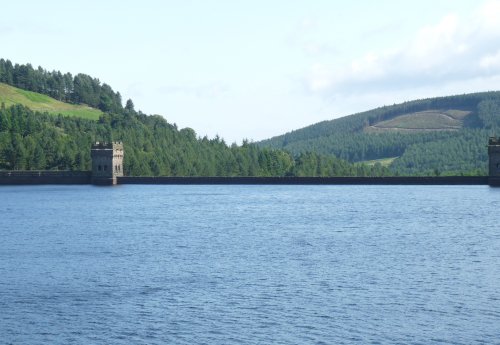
{"x": 444, "y": 135}
{"x": 10, "y": 95}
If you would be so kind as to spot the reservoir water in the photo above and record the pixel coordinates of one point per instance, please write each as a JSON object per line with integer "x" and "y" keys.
{"x": 250, "y": 265}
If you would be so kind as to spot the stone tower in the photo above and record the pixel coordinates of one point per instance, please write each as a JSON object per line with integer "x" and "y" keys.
{"x": 494, "y": 161}
{"x": 494, "y": 155}
{"x": 107, "y": 162}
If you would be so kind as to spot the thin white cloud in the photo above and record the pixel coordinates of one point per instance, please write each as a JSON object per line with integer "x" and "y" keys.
{"x": 4, "y": 29}
{"x": 304, "y": 36}
{"x": 315, "y": 48}
{"x": 307, "y": 24}
{"x": 208, "y": 90}
{"x": 491, "y": 62}
{"x": 436, "y": 38}
{"x": 489, "y": 14}
{"x": 453, "y": 49}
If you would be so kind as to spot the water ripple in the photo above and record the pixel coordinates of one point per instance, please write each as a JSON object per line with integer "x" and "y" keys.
{"x": 249, "y": 265}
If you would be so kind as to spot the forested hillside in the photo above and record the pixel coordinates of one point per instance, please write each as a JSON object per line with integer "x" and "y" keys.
{"x": 153, "y": 147}
{"x": 81, "y": 88}
{"x": 445, "y": 135}
{"x": 35, "y": 140}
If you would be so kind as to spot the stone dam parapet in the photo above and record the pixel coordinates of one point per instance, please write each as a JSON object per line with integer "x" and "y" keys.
{"x": 44, "y": 177}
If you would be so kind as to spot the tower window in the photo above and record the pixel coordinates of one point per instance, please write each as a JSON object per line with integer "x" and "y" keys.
{"x": 99, "y": 167}
{"x": 105, "y": 167}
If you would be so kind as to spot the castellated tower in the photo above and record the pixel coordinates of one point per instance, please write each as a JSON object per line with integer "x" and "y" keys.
{"x": 494, "y": 161}
{"x": 107, "y": 162}
{"x": 494, "y": 155}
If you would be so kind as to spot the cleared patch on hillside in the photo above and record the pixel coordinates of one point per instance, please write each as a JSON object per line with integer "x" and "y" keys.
{"x": 430, "y": 120}
{"x": 35, "y": 101}
{"x": 385, "y": 162}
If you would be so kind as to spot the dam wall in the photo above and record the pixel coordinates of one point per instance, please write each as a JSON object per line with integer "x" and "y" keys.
{"x": 85, "y": 177}
{"x": 394, "y": 180}
{"x": 29, "y": 177}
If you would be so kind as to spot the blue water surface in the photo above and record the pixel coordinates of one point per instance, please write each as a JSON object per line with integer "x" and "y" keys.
{"x": 249, "y": 265}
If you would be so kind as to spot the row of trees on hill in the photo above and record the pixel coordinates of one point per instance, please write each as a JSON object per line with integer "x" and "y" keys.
{"x": 153, "y": 147}
{"x": 80, "y": 88}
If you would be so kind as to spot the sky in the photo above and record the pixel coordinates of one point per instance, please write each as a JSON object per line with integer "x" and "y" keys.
{"x": 256, "y": 69}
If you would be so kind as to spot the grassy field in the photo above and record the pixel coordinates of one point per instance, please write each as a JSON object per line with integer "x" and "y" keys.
{"x": 11, "y": 95}
{"x": 424, "y": 120}
{"x": 384, "y": 161}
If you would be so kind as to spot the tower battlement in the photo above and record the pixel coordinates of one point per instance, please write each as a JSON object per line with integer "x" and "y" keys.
{"x": 107, "y": 162}
{"x": 102, "y": 145}
{"x": 494, "y": 141}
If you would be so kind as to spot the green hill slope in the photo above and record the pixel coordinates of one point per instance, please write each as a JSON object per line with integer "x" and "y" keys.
{"x": 10, "y": 95}
{"x": 430, "y": 136}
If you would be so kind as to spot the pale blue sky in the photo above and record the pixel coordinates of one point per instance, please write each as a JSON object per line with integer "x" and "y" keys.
{"x": 255, "y": 69}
